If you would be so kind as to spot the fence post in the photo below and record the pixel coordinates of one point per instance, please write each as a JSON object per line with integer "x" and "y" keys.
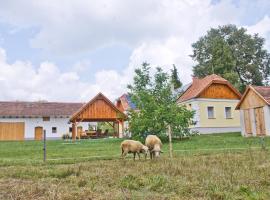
{"x": 262, "y": 141}
{"x": 44, "y": 146}
{"x": 170, "y": 141}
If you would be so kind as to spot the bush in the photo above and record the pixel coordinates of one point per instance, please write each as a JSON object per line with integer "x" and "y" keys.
{"x": 66, "y": 136}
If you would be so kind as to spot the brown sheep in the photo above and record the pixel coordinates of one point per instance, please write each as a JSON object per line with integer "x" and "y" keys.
{"x": 135, "y": 147}
{"x": 154, "y": 145}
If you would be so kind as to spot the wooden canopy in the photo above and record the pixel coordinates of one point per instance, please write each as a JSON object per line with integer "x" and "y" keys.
{"x": 98, "y": 109}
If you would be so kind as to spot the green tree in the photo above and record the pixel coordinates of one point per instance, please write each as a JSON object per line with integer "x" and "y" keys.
{"x": 157, "y": 106}
{"x": 175, "y": 79}
{"x": 234, "y": 54}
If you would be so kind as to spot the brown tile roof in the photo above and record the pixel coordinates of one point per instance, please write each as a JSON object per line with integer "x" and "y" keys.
{"x": 199, "y": 85}
{"x": 264, "y": 91}
{"x": 38, "y": 109}
{"x": 126, "y": 103}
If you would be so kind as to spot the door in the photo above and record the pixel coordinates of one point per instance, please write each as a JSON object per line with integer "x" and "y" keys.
{"x": 248, "y": 127}
{"x": 79, "y": 131}
{"x": 259, "y": 121}
{"x": 38, "y": 133}
{"x": 12, "y": 130}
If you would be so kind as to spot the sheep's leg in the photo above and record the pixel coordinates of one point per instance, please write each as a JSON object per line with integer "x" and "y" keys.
{"x": 145, "y": 156}
{"x": 124, "y": 153}
{"x": 139, "y": 156}
{"x": 134, "y": 155}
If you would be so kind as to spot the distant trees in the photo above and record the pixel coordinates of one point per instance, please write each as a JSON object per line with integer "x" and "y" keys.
{"x": 234, "y": 54}
{"x": 157, "y": 105}
{"x": 175, "y": 79}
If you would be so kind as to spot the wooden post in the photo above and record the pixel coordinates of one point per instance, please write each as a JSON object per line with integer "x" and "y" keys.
{"x": 74, "y": 131}
{"x": 44, "y": 146}
{"x": 170, "y": 141}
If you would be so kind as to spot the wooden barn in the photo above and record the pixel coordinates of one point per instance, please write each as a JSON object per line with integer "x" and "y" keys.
{"x": 254, "y": 109}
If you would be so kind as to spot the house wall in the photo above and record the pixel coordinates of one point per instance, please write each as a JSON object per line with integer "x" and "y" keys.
{"x": 250, "y": 102}
{"x": 267, "y": 119}
{"x": 30, "y": 124}
{"x": 219, "y": 114}
{"x": 219, "y": 124}
{"x": 266, "y": 110}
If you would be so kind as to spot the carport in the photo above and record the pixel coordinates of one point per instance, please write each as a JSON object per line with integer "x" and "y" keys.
{"x": 99, "y": 109}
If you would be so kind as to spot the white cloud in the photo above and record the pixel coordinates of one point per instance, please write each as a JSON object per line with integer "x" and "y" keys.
{"x": 160, "y": 32}
{"x": 79, "y": 26}
{"x": 263, "y": 28}
{"x": 23, "y": 81}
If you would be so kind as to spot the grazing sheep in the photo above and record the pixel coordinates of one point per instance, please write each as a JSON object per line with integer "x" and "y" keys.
{"x": 154, "y": 145}
{"x": 135, "y": 147}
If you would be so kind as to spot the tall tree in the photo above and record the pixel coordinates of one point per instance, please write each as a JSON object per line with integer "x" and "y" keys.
{"x": 234, "y": 54}
{"x": 157, "y": 106}
{"x": 175, "y": 78}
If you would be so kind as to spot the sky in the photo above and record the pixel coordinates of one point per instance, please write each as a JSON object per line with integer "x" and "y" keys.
{"x": 71, "y": 50}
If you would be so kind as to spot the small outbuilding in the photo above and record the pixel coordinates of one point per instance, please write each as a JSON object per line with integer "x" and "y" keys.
{"x": 254, "y": 109}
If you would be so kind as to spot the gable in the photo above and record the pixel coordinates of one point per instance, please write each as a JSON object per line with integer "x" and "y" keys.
{"x": 219, "y": 91}
{"x": 252, "y": 100}
{"x": 100, "y": 108}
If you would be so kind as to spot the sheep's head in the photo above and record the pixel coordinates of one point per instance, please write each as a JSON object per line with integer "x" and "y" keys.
{"x": 156, "y": 150}
{"x": 145, "y": 150}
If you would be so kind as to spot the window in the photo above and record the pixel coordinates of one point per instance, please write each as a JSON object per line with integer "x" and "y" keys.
{"x": 210, "y": 111}
{"x": 70, "y": 129}
{"x": 228, "y": 112}
{"x": 54, "y": 129}
{"x": 46, "y": 119}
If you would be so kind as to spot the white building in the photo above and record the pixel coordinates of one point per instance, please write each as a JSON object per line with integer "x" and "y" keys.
{"x": 27, "y": 120}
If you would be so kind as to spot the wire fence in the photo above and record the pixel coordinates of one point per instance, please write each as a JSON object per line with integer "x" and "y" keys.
{"x": 117, "y": 156}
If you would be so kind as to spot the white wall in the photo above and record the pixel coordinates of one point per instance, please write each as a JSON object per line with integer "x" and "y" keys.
{"x": 210, "y": 130}
{"x": 30, "y": 124}
{"x": 267, "y": 119}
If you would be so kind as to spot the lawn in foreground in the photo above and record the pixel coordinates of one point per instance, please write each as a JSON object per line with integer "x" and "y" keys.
{"x": 202, "y": 174}
{"x": 31, "y": 151}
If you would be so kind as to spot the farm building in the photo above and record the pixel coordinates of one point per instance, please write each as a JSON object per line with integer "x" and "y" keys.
{"x": 125, "y": 104}
{"x": 254, "y": 109}
{"x": 214, "y": 100}
{"x": 27, "y": 120}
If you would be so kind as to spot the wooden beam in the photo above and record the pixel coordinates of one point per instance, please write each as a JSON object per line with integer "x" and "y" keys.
{"x": 74, "y": 130}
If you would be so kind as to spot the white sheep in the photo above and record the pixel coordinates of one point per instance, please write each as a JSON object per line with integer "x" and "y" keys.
{"x": 135, "y": 147}
{"x": 154, "y": 145}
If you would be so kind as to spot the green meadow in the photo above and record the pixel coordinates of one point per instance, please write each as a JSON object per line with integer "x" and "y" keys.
{"x": 218, "y": 166}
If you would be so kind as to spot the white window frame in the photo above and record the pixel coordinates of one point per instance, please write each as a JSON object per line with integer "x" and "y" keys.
{"x": 226, "y": 114}
{"x": 214, "y": 117}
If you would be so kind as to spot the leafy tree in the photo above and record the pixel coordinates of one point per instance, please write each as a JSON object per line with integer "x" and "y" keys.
{"x": 157, "y": 106}
{"x": 234, "y": 54}
{"x": 175, "y": 79}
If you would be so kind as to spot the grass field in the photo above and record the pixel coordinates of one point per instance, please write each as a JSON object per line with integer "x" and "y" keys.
{"x": 223, "y": 166}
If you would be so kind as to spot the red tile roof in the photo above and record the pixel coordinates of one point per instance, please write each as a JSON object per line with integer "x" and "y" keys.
{"x": 199, "y": 85}
{"x": 38, "y": 109}
{"x": 264, "y": 91}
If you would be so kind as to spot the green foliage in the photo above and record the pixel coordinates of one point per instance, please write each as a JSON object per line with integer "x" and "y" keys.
{"x": 156, "y": 104}
{"x": 105, "y": 126}
{"x": 234, "y": 54}
{"x": 175, "y": 79}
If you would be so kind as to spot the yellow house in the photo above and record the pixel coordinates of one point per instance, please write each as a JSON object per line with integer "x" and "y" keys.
{"x": 214, "y": 100}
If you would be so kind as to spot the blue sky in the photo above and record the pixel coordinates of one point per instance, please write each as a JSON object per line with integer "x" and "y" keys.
{"x": 54, "y": 49}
